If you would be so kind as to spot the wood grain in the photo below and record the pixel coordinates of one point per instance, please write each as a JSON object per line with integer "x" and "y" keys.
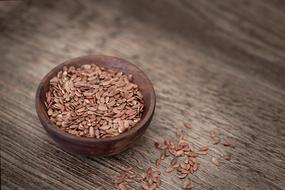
{"x": 219, "y": 65}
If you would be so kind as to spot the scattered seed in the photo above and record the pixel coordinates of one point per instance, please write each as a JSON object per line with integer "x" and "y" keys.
{"x": 169, "y": 169}
{"x": 157, "y": 162}
{"x": 188, "y": 163}
{"x": 213, "y": 133}
{"x": 179, "y": 133}
{"x": 122, "y": 187}
{"x": 215, "y": 161}
{"x": 225, "y": 142}
{"x": 188, "y": 125}
{"x": 187, "y": 184}
{"x": 144, "y": 186}
{"x": 182, "y": 175}
{"x": 173, "y": 161}
{"x": 151, "y": 179}
{"x": 152, "y": 187}
{"x": 216, "y": 140}
{"x": 204, "y": 148}
{"x": 228, "y": 157}
{"x": 179, "y": 153}
{"x": 205, "y": 152}
{"x": 98, "y": 188}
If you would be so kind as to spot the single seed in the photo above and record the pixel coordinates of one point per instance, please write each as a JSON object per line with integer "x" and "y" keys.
{"x": 205, "y": 152}
{"x": 204, "y": 148}
{"x": 216, "y": 140}
{"x": 187, "y": 184}
{"x": 225, "y": 142}
{"x": 169, "y": 169}
{"x": 213, "y": 133}
{"x": 182, "y": 175}
{"x": 228, "y": 157}
{"x": 188, "y": 125}
{"x": 215, "y": 161}
{"x": 91, "y": 132}
{"x": 157, "y": 162}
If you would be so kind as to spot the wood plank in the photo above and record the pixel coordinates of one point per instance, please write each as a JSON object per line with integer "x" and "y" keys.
{"x": 218, "y": 65}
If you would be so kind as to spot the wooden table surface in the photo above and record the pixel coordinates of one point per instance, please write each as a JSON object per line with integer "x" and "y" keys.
{"x": 216, "y": 64}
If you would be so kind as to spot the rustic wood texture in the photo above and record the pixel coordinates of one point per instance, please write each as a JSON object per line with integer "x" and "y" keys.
{"x": 217, "y": 64}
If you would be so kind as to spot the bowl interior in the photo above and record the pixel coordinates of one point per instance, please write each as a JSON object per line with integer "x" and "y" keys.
{"x": 108, "y": 62}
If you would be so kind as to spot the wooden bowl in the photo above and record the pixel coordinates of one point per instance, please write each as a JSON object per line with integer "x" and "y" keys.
{"x": 92, "y": 146}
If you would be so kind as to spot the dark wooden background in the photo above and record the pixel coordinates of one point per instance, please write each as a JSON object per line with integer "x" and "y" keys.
{"x": 217, "y": 64}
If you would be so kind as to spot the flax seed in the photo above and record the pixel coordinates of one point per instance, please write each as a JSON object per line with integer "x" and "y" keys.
{"x": 225, "y": 142}
{"x": 215, "y": 161}
{"x": 91, "y": 93}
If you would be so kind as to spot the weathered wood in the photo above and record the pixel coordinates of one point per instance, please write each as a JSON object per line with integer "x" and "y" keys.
{"x": 219, "y": 65}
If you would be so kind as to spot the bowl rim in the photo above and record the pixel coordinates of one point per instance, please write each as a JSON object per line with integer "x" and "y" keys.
{"x": 49, "y": 126}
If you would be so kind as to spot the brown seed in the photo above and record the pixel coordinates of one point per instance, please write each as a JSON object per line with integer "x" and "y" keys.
{"x": 175, "y": 165}
{"x": 122, "y": 187}
{"x": 144, "y": 186}
{"x": 213, "y": 133}
{"x": 144, "y": 175}
{"x": 188, "y": 125}
{"x": 216, "y": 140}
{"x": 162, "y": 154}
{"x": 173, "y": 161}
{"x": 149, "y": 170}
{"x": 228, "y": 157}
{"x": 129, "y": 168}
{"x": 182, "y": 175}
{"x": 179, "y": 133}
{"x": 81, "y": 109}
{"x": 225, "y": 142}
{"x": 204, "y": 148}
{"x": 156, "y": 144}
{"x": 102, "y": 108}
{"x": 192, "y": 154}
{"x": 104, "y": 127}
{"x": 75, "y": 102}
{"x": 157, "y": 162}
{"x": 73, "y": 126}
{"x": 205, "y": 152}
{"x": 179, "y": 153}
{"x": 91, "y": 132}
{"x": 183, "y": 165}
{"x": 215, "y": 161}
{"x": 169, "y": 169}
{"x": 50, "y": 112}
{"x": 187, "y": 184}
{"x": 195, "y": 167}
{"x": 152, "y": 187}
{"x": 98, "y": 188}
